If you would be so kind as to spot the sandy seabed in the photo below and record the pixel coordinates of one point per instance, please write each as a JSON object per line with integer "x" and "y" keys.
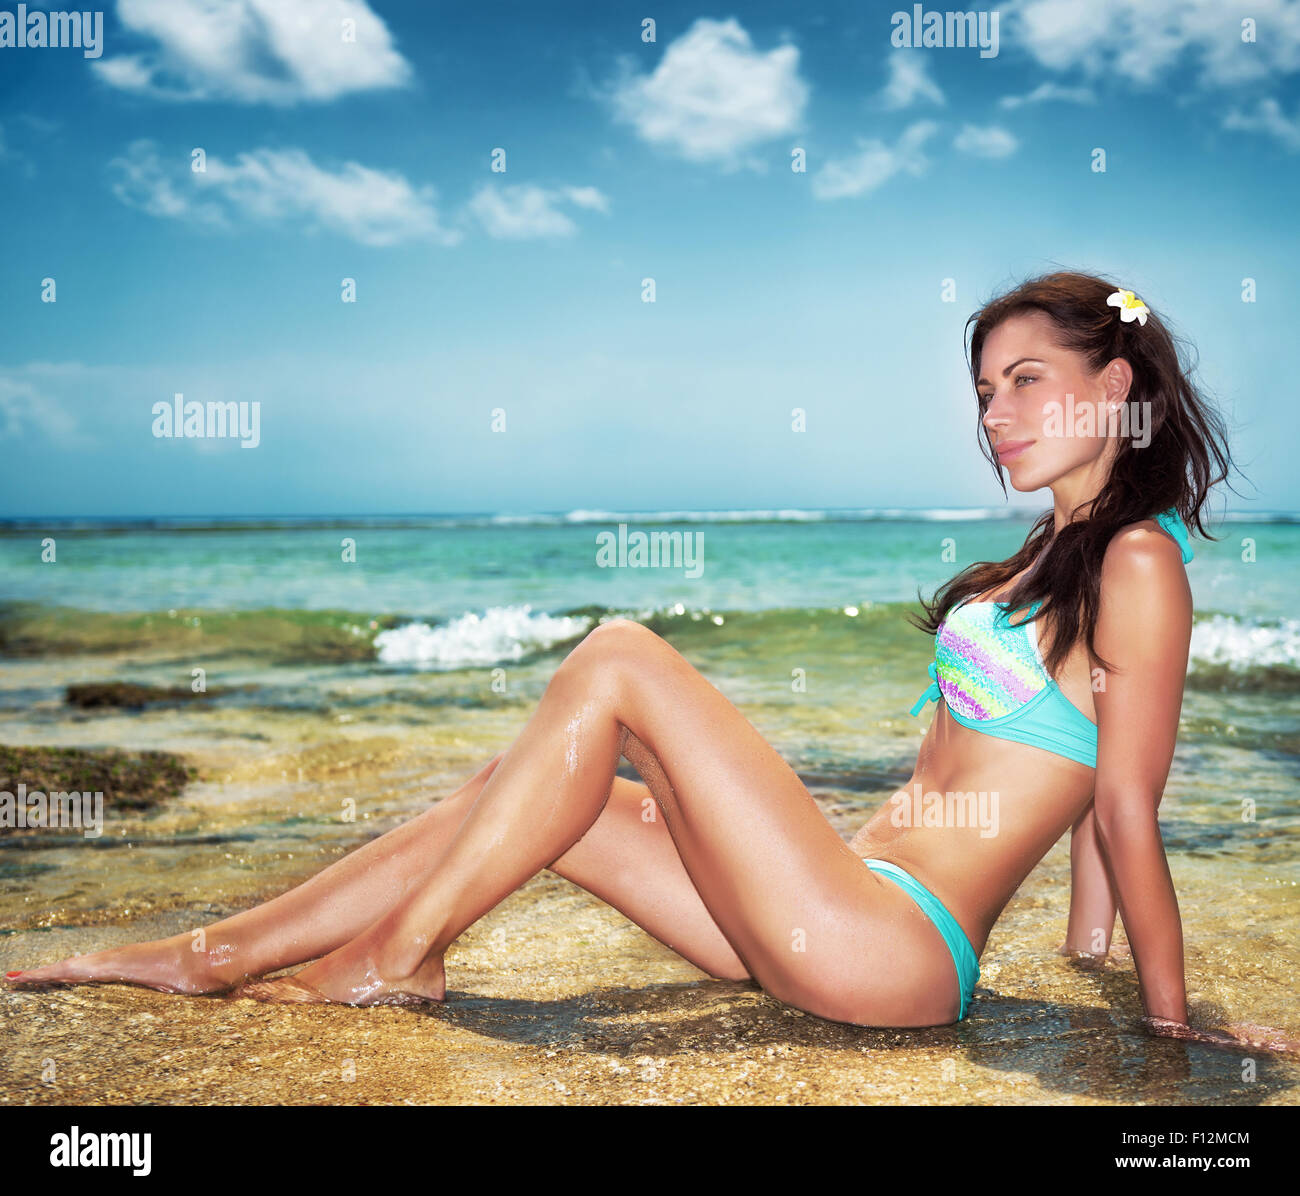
{"x": 555, "y": 998}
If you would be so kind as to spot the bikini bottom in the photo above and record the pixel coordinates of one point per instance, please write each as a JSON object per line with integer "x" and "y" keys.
{"x": 963, "y": 954}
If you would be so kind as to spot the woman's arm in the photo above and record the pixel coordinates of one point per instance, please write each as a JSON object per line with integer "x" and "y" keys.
{"x": 1092, "y": 897}
{"x": 1144, "y": 628}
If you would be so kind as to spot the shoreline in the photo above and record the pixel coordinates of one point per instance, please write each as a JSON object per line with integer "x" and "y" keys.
{"x": 555, "y": 998}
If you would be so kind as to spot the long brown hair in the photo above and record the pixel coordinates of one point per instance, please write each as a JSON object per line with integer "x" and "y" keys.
{"x": 1186, "y": 456}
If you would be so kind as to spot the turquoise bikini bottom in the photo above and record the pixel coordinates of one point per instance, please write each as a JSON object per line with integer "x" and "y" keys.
{"x": 963, "y": 954}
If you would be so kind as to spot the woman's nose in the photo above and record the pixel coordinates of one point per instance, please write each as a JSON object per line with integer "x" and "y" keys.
{"x": 996, "y": 413}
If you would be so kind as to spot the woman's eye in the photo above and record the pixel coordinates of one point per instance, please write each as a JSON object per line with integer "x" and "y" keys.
{"x": 986, "y": 398}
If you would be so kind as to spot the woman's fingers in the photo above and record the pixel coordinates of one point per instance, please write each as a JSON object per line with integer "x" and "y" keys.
{"x": 1238, "y": 1036}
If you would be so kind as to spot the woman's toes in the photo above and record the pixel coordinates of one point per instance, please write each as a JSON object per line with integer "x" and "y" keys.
{"x": 34, "y": 978}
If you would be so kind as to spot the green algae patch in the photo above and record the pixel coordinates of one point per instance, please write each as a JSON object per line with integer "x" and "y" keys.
{"x": 127, "y": 695}
{"x": 128, "y": 780}
{"x": 279, "y": 636}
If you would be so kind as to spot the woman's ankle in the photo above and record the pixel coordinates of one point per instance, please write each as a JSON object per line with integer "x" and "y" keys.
{"x": 208, "y": 964}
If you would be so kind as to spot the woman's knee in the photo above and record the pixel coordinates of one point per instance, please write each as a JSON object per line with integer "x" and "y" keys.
{"x": 618, "y": 635}
{"x": 609, "y": 650}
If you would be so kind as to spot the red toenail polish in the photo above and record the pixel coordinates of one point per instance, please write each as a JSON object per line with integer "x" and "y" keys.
{"x": 11, "y": 975}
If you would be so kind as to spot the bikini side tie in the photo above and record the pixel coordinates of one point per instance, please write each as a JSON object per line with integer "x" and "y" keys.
{"x": 932, "y": 694}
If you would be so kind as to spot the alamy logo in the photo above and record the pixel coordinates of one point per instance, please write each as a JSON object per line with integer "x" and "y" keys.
{"x": 655, "y": 550}
{"x": 202, "y": 420}
{"x": 76, "y": 1149}
{"x": 921, "y": 29}
{"x": 1089, "y": 419}
{"x": 950, "y": 809}
{"x": 56, "y": 810}
{"x": 41, "y": 30}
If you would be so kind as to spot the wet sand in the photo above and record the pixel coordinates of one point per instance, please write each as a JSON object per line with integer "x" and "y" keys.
{"x": 554, "y": 998}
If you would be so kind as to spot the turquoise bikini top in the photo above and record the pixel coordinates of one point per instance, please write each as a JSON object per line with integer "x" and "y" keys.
{"x": 991, "y": 674}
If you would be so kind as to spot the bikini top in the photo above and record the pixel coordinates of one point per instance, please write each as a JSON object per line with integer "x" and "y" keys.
{"x": 991, "y": 674}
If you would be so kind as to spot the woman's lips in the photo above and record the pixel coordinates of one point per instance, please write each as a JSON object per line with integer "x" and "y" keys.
{"x": 1011, "y": 449}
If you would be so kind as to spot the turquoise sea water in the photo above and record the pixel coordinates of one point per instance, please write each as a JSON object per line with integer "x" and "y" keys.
{"x": 381, "y": 682}
{"x": 443, "y": 566}
{"x": 492, "y": 586}
{"x": 375, "y": 619}
{"x": 313, "y": 625}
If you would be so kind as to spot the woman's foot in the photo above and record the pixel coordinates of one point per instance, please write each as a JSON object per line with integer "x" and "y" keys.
{"x": 355, "y": 974}
{"x": 167, "y": 965}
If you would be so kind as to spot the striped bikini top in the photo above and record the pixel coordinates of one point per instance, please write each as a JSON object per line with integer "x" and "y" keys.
{"x": 991, "y": 674}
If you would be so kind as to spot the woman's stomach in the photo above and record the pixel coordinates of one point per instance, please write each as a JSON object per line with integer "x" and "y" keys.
{"x": 975, "y": 817}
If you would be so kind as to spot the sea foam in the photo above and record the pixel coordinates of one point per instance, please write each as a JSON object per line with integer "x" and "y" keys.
{"x": 500, "y": 633}
{"x": 1243, "y": 644}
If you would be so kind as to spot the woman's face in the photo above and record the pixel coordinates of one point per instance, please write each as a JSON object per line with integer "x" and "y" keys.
{"x": 1047, "y": 416}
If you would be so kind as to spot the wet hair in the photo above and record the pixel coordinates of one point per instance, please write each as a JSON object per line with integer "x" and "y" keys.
{"x": 1186, "y": 456}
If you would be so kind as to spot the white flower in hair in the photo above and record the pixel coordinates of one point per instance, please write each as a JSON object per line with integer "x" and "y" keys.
{"x": 1130, "y": 307}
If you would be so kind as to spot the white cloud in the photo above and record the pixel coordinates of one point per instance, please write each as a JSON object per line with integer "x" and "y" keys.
{"x": 254, "y": 51}
{"x": 874, "y": 164}
{"x": 372, "y": 207}
{"x": 909, "y": 81}
{"x": 141, "y": 180}
{"x": 1050, "y": 91}
{"x": 369, "y": 206}
{"x": 713, "y": 96}
{"x": 587, "y": 197}
{"x": 989, "y": 141}
{"x": 1143, "y": 41}
{"x": 1268, "y": 118}
{"x": 25, "y": 410}
{"x": 522, "y": 210}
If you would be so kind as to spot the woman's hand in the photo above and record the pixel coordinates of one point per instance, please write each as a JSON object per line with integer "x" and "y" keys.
{"x": 1237, "y": 1036}
{"x": 1086, "y": 961}
{"x": 1093, "y": 961}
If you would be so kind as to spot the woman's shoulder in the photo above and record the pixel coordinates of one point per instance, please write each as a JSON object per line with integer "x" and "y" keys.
{"x": 1141, "y": 556}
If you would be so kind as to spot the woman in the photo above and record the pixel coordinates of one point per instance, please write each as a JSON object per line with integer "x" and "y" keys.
{"x": 1063, "y": 720}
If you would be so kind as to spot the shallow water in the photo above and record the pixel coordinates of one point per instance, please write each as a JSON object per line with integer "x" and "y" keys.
{"x": 583, "y": 1006}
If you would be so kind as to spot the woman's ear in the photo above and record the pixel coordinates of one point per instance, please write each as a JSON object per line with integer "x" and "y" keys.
{"x": 1118, "y": 382}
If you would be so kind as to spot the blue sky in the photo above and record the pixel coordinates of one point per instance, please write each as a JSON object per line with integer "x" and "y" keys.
{"x": 370, "y": 158}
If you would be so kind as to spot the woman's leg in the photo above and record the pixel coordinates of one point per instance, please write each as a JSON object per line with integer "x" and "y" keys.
{"x": 627, "y": 859}
{"x": 314, "y": 917}
{"x": 810, "y": 922}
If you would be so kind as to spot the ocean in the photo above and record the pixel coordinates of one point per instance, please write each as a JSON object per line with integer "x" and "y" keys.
{"x": 381, "y": 661}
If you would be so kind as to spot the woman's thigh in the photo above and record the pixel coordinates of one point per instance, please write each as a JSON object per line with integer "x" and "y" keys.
{"x": 811, "y": 923}
{"x": 629, "y": 860}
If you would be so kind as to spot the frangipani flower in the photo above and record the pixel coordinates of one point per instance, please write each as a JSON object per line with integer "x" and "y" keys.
{"x": 1130, "y": 306}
